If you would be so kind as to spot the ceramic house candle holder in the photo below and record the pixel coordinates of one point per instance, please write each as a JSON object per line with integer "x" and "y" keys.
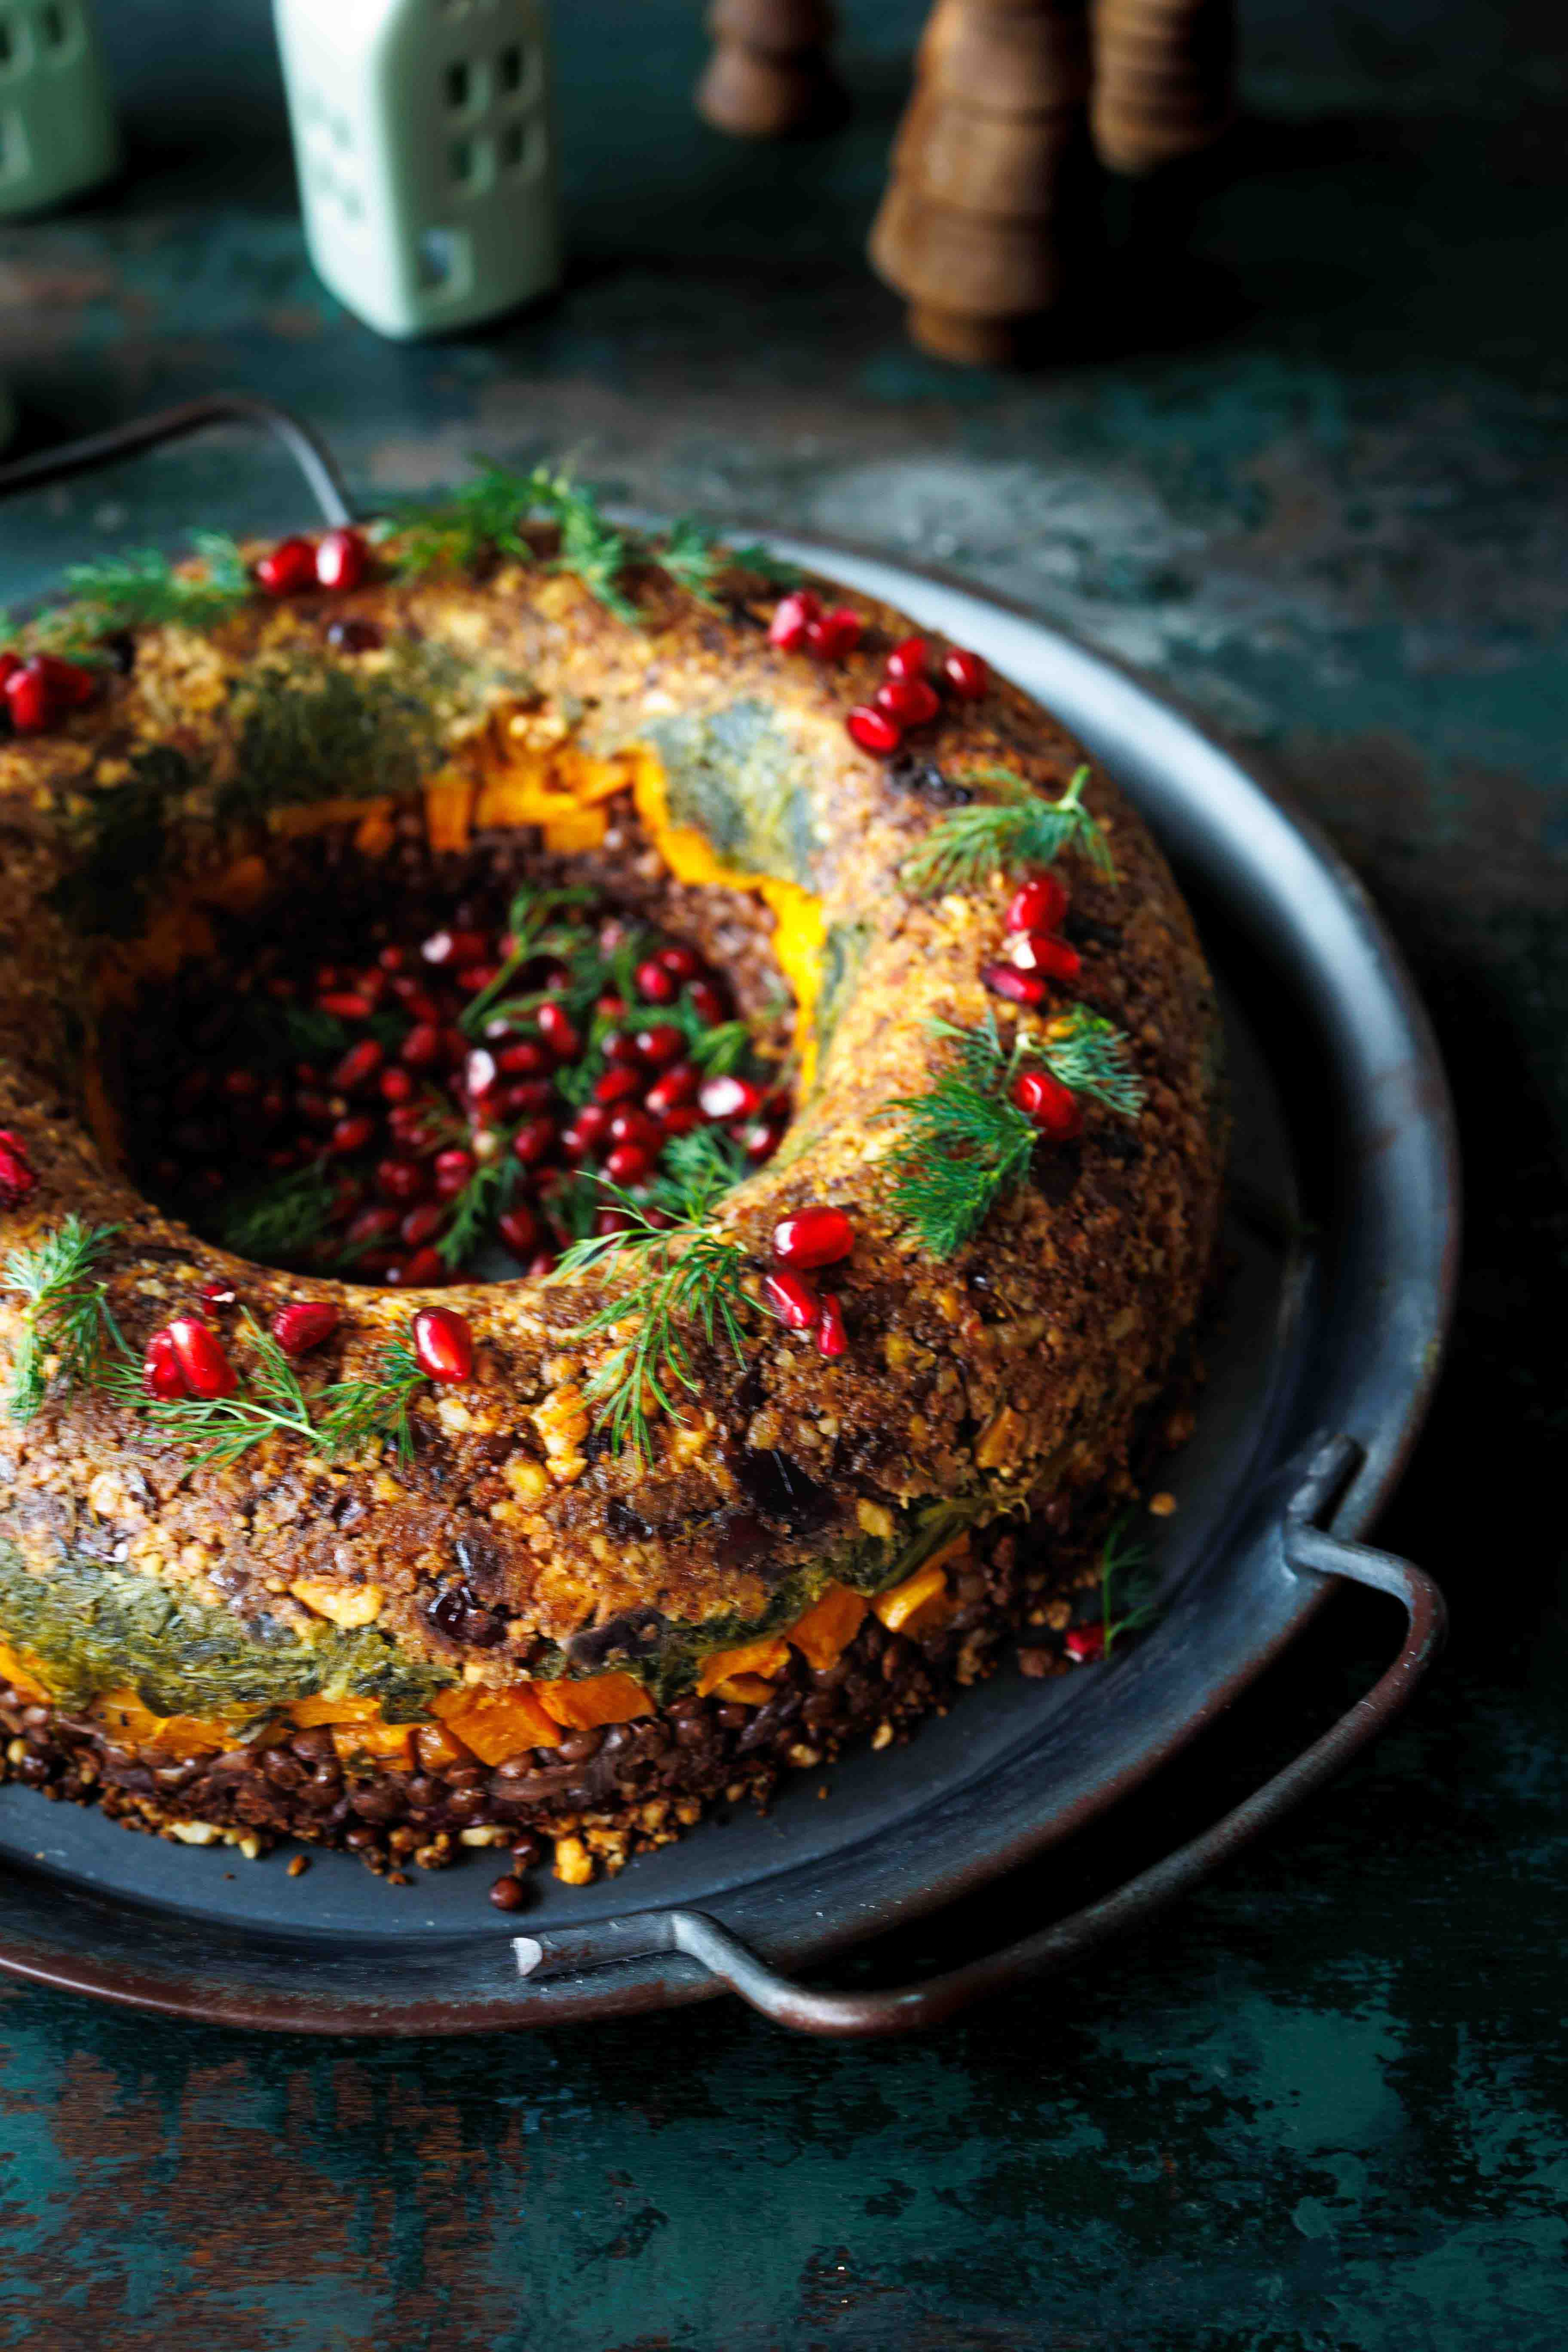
{"x": 426, "y": 147}
{"x": 57, "y": 134}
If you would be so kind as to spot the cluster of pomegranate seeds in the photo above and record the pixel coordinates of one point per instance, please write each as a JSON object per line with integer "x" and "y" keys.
{"x": 186, "y": 1358}
{"x": 1033, "y": 954}
{"x": 800, "y": 626}
{"x": 17, "y": 1176}
{"x": 907, "y": 699}
{"x": 338, "y": 560}
{"x": 804, "y": 1243}
{"x": 38, "y": 690}
{"x": 470, "y": 1100}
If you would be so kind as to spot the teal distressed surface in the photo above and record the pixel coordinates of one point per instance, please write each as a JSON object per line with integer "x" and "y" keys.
{"x": 1316, "y": 489}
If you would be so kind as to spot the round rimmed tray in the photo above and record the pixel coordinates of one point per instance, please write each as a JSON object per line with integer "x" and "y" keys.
{"x": 1336, "y": 1338}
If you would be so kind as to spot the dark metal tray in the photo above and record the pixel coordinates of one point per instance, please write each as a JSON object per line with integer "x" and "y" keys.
{"x": 1343, "y": 1239}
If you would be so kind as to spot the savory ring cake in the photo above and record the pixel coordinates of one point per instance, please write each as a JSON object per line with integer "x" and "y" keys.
{"x": 721, "y": 1109}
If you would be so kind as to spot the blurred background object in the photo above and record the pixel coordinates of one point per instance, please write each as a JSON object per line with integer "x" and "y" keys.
{"x": 770, "y": 72}
{"x": 57, "y": 134}
{"x": 990, "y": 190}
{"x": 1164, "y": 79}
{"x": 425, "y": 145}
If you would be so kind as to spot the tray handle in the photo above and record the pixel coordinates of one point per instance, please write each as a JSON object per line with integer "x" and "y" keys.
{"x": 129, "y": 440}
{"x": 1311, "y": 1551}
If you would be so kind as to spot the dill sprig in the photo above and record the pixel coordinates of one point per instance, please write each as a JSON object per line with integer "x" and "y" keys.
{"x": 488, "y": 1193}
{"x": 1129, "y": 1583}
{"x": 690, "y": 1278}
{"x": 67, "y": 1329}
{"x": 532, "y": 933}
{"x": 489, "y": 516}
{"x": 1016, "y": 830}
{"x": 280, "y": 1221}
{"x": 967, "y": 1144}
{"x": 142, "y": 590}
{"x": 375, "y": 1408}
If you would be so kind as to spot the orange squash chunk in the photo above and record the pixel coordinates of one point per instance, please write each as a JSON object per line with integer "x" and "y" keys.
{"x": 764, "y": 1660}
{"x": 308, "y": 1711}
{"x": 13, "y": 1671}
{"x": 601, "y": 1698}
{"x": 497, "y": 1724}
{"x": 123, "y": 1717}
{"x": 917, "y": 1604}
{"x": 392, "y": 1742}
{"x": 827, "y": 1630}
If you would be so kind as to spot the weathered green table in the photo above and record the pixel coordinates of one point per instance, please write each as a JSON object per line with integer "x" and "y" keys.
{"x": 1313, "y": 483}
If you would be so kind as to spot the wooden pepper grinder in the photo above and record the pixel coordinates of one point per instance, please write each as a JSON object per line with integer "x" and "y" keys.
{"x": 770, "y": 72}
{"x": 979, "y": 219}
{"x": 1164, "y": 79}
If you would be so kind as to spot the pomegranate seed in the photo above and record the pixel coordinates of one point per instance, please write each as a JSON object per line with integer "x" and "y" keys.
{"x": 555, "y": 1028}
{"x": 680, "y": 962}
{"x": 526, "y": 1059}
{"x": 813, "y": 1237}
{"x": 519, "y": 1228}
{"x": 443, "y": 1344}
{"x": 632, "y": 1124}
{"x": 1038, "y": 905}
{"x": 619, "y": 1047}
{"x": 9, "y": 665}
{"x": 328, "y": 976}
{"x": 347, "y": 1006}
{"x": 18, "y": 1178}
{"x": 792, "y": 1300}
{"x": 761, "y": 1138}
{"x": 662, "y": 1042}
{"x": 200, "y": 1356}
{"x": 908, "y": 658}
{"x": 656, "y": 985}
{"x": 370, "y": 1226}
{"x": 219, "y": 1293}
{"x": 730, "y": 1098}
{"x": 303, "y": 1324}
{"x": 617, "y": 1086}
{"x": 1055, "y": 1109}
{"x": 407, "y": 1122}
{"x": 393, "y": 958}
{"x": 873, "y": 729}
{"x": 396, "y": 1086}
{"x": 793, "y": 615}
{"x": 1017, "y": 987}
{"x": 161, "y": 1373}
{"x": 425, "y": 1270}
{"x": 908, "y": 700}
{"x": 628, "y": 1163}
{"x": 290, "y": 567}
{"x": 475, "y": 978}
{"x": 414, "y": 994}
{"x": 832, "y": 1339}
{"x": 342, "y": 558}
{"x": 835, "y": 635}
{"x": 358, "y": 1067}
{"x": 592, "y": 1123}
{"x": 966, "y": 674}
{"x": 479, "y": 1071}
{"x": 454, "y": 1049}
{"x": 681, "y": 1120}
{"x": 422, "y": 1223}
{"x": 534, "y": 1141}
{"x": 677, "y": 1086}
{"x": 707, "y": 1001}
{"x": 609, "y": 1008}
{"x": 351, "y": 1135}
{"x": 28, "y": 699}
{"x": 314, "y": 1108}
{"x": 1084, "y": 1643}
{"x": 402, "y": 1179}
{"x": 421, "y": 1049}
{"x": 528, "y": 1098}
{"x": 574, "y": 1145}
{"x": 1032, "y": 952}
{"x": 454, "y": 1163}
{"x": 240, "y": 1085}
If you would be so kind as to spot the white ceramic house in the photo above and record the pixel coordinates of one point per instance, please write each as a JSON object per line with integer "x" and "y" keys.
{"x": 58, "y": 133}
{"x": 425, "y": 146}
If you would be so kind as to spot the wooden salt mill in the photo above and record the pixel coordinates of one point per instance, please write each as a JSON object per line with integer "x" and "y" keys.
{"x": 1164, "y": 79}
{"x": 770, "y": 73}
{"x": 989, "y": 174}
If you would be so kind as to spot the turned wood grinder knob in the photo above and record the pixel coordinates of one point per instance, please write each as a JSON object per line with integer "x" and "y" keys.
{"x": 770, "y": 72}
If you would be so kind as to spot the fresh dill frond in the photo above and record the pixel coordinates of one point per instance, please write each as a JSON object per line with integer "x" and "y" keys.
{"x": 1129, "y": 1583}
{"x": 720, "y": 1052}
{"x": 269, "y": 1401}
{"x": 692, "y": 557}
{"x": 689, "y": 1278}
{"x": 697, "y": 1169}
{"x": 280, "y": 1222}
{"x": 761, "y": 563}
{"x": 591, "y": 546}
{"x": 1016, "y": 830}
{"x": 68, "y": 1333}
{"x": 375, "y": 1408}
{"x": 967, "y": 1144}
{"x": 1088, "y": 1055}
{"x": 142, "y": 590}
{"x": 487, "y": 1194}
{"x": 532, "y": 933}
